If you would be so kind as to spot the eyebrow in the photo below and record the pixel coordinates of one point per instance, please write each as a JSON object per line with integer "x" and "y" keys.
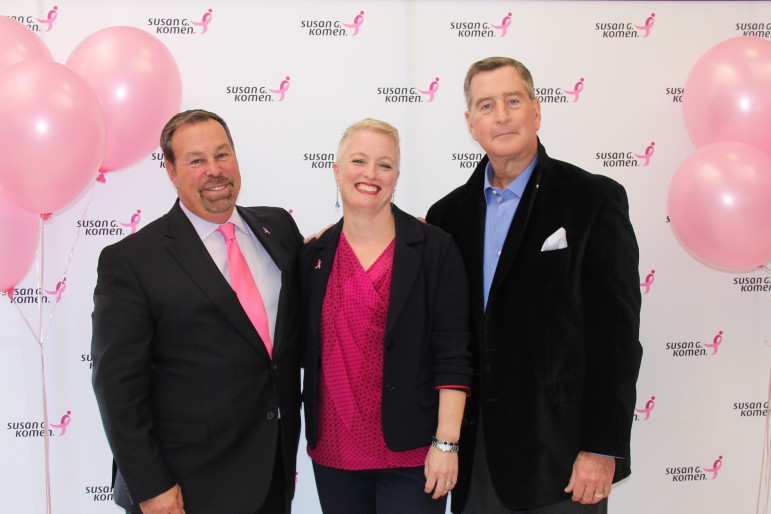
{"x": 198, "y": 153}
{"x": 505, "y": 95}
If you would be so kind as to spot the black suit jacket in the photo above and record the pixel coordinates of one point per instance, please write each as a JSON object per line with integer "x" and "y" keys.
{"x": 426, "y": 343}
{"x": 557, "y": 348}
{"x": 185, "y": 386}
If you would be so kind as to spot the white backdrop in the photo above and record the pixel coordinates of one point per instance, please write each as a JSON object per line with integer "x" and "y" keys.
{"x": 697, "y": 408}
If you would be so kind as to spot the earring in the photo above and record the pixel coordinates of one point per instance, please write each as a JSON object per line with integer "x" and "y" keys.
{"x": 337, "y": 198}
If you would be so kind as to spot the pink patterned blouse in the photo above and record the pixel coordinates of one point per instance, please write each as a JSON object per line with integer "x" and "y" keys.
{"x": 353, "y": 319}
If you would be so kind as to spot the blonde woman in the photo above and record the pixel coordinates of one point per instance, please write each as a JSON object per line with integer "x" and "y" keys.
{"x": 386, "y": 345}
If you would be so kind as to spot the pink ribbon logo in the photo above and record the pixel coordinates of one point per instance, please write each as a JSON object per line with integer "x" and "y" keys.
{"x": 52, "y": 14}
{"x": 715, "y": 342}
{"x": 432, "y": 89}
{"x": 647, "y": 155}
{"x": 60, "y": 287}
{"x": 648, "y": 408}
{"x": 576, "y": 90}
{"x": 648, "y": 282}
{"x": 135, "y": 218}
{"x": 648, "y": 25}
{"x": 715, "y": 467}
{"x": 204, "y": 23}
{"x": 357, "y": 22}
{"x": 63, "y": 424}
{"x": 504, "y": 26}
{"x": 282, "y": 89}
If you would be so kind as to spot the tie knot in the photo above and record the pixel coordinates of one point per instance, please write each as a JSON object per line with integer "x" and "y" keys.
{"x": 228, "y": 231}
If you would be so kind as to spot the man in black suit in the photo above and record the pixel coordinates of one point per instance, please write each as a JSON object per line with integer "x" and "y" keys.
{"x": 552, "y": 263}
{"x": 201, "y": 412}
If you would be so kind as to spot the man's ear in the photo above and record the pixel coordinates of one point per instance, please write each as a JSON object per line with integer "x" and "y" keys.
{"x": 171, "y": 172}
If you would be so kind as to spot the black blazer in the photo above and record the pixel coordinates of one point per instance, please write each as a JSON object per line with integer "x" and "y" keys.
{"x": 557, "y": 348}
{"x": 185, "y": 387}
{"x": 426, "y": 337}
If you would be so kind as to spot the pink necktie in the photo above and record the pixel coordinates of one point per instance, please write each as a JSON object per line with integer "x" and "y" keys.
{"x": 242, "y": 282}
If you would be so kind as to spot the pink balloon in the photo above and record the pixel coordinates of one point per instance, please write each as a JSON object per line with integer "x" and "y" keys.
{"x": 720, "y": 206}
{"x": 51, "y": 135}
{"x": 139, "y": 85}
{"x": 19, "y": 235}
{"x": 728, "y": 94}
{"x": 18, "y": 43}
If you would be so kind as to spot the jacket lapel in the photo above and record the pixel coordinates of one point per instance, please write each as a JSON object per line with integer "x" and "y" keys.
{"x": 406, "y": 263}
{"x": 191, "y": 254}
{"x": 520, "y": 222}
{"x": 322, "y": 258}
{"x": 471, "y": 231}
{"x": 263, "y": 231}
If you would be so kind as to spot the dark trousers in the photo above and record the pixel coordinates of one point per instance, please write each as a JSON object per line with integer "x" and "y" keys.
{"x": 482, "y": 498}
{"x": 375, "y": 491}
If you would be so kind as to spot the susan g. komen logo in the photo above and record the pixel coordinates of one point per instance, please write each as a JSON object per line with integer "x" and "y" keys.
{"x": 204, "y": 23}
{"x": 58, "y": 291}
{"x": 282, "y": 89}
{"x": 560, "y": 95}
{"x": 695, "y": 348}
{"x": 577, "y": 89}
{"x": 646, "y": 27}
{"x": 134, "y": 222}
{"x": 358, "y": 21}
{"x": 63, "y": 423}
{"x": 504, "y": 25}
{"x": 646, "y": 285}
{"x": 716, "y": 465}
{"x": 48, "y": 21}
{"x": 644, "y": 414}
{"x": 695, "y": 473}
{"x": 431, "y": 91}
{"x": 645, "y": 157}
{"x": 626, "y": 29}
{"x": 410, "y": 94}
{"x": 332, "y": 27}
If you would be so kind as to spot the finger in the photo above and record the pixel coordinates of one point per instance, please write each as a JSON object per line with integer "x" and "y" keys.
{"x": 571, "y": 484}
{"x": 431, "y": 484}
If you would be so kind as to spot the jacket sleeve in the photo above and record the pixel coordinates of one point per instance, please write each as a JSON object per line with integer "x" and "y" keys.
{"x": 611, "y": 299}
{"x": 121, "y": 348}
{"x": 450, "y": 335}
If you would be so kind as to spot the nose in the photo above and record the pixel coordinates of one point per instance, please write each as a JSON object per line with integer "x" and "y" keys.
{"x": 369, "y": 171}
{"x": 212, "y": 168}
{"x": 501, "y": 112}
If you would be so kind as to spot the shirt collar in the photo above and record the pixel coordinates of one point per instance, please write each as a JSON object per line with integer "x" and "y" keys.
{"x": 205, "y": 228}
{"x": 516, "y": 186}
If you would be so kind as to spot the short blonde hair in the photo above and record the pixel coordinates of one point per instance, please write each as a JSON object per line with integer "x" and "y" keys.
{"x": 374, "y": 125}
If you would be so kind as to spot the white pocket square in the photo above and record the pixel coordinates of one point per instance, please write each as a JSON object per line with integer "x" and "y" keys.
{"x": 556, "y": 241}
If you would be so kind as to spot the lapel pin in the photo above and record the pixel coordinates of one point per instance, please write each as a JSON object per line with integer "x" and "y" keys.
{"x": 318, "y": 264}
{"x": 266, "y": 230}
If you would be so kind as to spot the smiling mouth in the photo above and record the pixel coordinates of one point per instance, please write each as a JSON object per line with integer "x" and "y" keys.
{"x": 215, "y": 188}
{"x": 367, "y": 188}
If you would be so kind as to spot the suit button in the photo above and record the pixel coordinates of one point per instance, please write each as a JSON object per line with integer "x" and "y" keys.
{"x": 274, "y": 366}
{"x": 389, "y": 344}
{"x": 269, "y": 416}
{"x": 389, "y": 386}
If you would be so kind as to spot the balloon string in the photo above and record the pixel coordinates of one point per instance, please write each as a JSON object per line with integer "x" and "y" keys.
{"x": 69, "y": 256}
{"x": 765, "y": 464}
{"x": 46, "y": 435}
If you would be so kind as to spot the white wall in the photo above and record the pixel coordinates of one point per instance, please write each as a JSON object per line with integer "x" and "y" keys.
{"x": 626, "y": 104}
